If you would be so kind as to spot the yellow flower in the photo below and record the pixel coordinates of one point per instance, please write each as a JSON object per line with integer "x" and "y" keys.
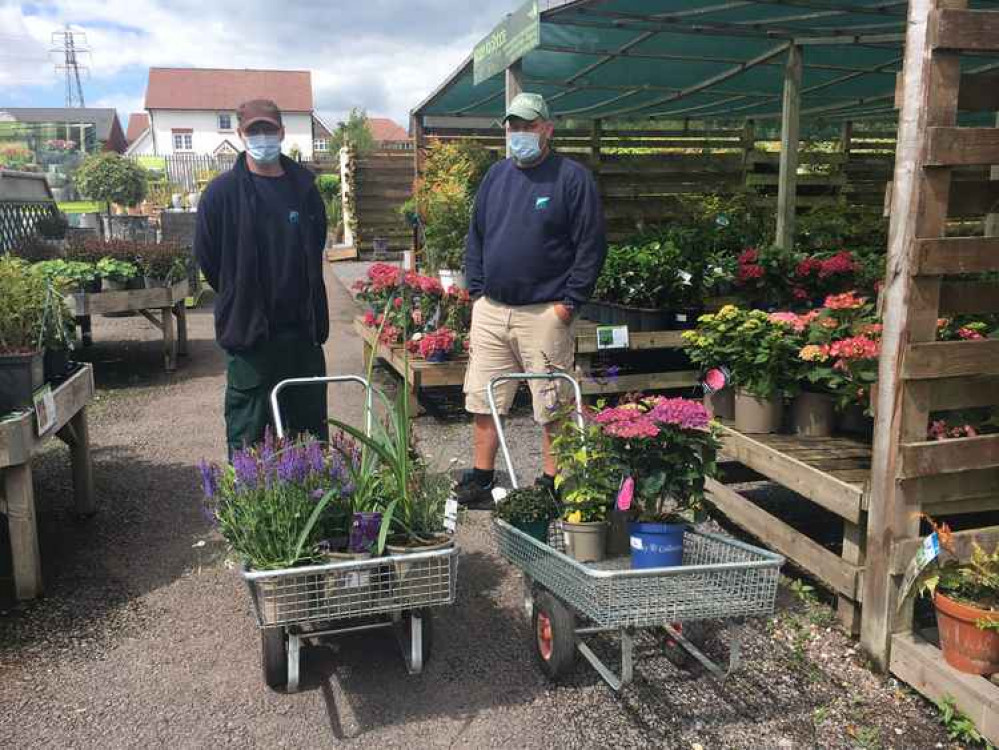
{"x": 575, "y": 517}
{"x": 728, "y": 311}
{"x": 812, "y": 353}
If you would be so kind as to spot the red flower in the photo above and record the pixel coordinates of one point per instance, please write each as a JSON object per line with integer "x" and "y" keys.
{"x": 799, "y": 293}
{"x": 749, "y": 255}
{"x": 855, "y": 347}
{"x": 841, "y": 263}
{"x": 845, "y": 301}
{"x": 397, "y": 303}
{"x": 749, "y": 272}
{"x": 969, "y": 334}
{"x": 807, "y": 267}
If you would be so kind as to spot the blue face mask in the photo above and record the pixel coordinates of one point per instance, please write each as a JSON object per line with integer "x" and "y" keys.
{"x": 525, "y": 147}
{"x": 265, "y": 148}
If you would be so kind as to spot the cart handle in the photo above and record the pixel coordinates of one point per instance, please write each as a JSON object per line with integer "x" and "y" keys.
{"x": 490, "y": 394}
{"x": 276, "y": 409}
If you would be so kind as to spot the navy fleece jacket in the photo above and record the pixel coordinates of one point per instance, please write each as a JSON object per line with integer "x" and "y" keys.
{"x": 536, "y": 234}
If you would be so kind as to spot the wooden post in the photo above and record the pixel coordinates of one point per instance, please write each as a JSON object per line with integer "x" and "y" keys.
{"x": 419, "y": 144}
{"x": 790, "y": 122}
{"x": 514, "y": 86}
{"x": 169, "y": 339}
{"x": 911, "y": 304}
{"x": 846, "y": 138}
{"x": 992, "y": 219}
{"x": 180, "y": 310}
{"x": 23, "y": 530}
{"x": 83, "y": 467}
{"x": 345, "y": 168}
{"x": 596, "y": 130}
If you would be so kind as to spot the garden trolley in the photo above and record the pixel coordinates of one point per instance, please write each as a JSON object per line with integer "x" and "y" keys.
{"x": 394, "y": 591}
{"x": 720, "y": 579}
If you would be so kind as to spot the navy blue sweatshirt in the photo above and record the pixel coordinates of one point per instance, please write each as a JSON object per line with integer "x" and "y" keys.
{"x": 537, "y": 234}
{"x": 229, "y": 246}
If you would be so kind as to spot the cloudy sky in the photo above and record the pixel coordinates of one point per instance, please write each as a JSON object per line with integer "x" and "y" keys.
{"x": 381, "y": 55}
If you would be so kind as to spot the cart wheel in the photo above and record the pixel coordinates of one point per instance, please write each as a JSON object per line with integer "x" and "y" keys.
{"x": 554, "y": 628}
{"x": 274, "y": 656}
{"x": 427, "y": 636}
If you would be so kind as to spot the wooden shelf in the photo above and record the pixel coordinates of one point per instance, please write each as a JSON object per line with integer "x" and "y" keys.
{"x": 129, "y": 299}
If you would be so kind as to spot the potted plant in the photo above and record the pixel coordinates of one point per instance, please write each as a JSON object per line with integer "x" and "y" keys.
{"x": 110, "y": 178}
{"x": 163, "y": 264}
{"x": 840, "y": 360}
{"x": 116, "y": 274}
{"x": 587, "y": 479}
{"x": 77, "y": 275}
{"x": 668, "y": 447}
{"x": 24, "y": 299}
{"x": 438, "y": 346}
{"x": 966, "y": 597}
{"x": 530, "y": 509}
{"x": 53, "y": 228}
{"x": 710, "y": 345}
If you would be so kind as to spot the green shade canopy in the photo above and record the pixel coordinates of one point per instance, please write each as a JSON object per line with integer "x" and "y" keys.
{"x": 702, "y": 59}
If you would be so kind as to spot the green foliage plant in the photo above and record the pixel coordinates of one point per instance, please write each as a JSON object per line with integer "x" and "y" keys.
{"x": 526, "y": 505}
{"x": 24, "y": 298}
{"x": 111, "y": 178}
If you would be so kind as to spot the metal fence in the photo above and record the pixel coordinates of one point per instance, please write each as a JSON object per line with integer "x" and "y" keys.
{"x": 184, "y": 170}
{"x": 18, "y": 219}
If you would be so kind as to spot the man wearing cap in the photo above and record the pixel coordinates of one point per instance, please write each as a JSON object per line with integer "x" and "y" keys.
{"x": 259, "y": 239}
{"x": 535, "y": 247}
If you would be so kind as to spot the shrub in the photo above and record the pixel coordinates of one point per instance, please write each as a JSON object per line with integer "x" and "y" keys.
{"x": 111, "y": 178}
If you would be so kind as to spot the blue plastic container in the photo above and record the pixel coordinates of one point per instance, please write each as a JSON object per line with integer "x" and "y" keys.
{"x": 656, "y": 545}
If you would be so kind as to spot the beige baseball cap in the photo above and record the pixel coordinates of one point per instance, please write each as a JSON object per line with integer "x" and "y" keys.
{"x": 527, "y": 107}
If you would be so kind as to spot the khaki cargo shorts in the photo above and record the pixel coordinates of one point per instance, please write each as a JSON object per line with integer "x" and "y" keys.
{"x": 523, "y": 338}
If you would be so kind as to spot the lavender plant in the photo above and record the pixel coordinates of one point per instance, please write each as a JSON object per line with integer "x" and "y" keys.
{"x": 276, "y": 502}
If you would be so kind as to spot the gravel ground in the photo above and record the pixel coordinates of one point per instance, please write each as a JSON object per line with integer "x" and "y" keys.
{"x": 145, "y": 637}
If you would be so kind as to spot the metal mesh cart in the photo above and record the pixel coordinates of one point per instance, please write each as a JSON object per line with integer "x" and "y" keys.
{"x": 394, "y": 591}
{"x": 720, "y": 579}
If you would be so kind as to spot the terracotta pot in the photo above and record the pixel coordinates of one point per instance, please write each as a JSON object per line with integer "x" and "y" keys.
{"x": 754, "y": 415}
{"x": 966, "y": 647}
{"x": 813, "y": 414}
{"x": 721, "y": 404}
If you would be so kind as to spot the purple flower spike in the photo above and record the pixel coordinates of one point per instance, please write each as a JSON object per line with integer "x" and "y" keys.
{"x": 247, "y": 469}
{"x": 293, "y": 464}
{"x": 209, "y": 479}
{"x": 314, "y": 456}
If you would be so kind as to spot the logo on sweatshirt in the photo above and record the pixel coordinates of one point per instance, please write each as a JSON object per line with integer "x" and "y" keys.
{"x": 541, "y": 203}
{"x": 293, "y": 217}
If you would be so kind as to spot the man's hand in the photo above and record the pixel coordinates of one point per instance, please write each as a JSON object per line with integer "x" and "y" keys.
{"x": 564, "y": 313}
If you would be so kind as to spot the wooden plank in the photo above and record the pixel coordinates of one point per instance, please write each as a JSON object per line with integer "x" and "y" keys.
{"x": 131, "y": 299}
{"x": 963, "y": 393}
{"x": 348, "y": 252}
{"x": 948, "y": 359}
{"x": 969, "y": 297}
{"x": 965, "y": 486}
{"x": 586, "y": 340}
{"x": 23, "y": 529}
{"x": 789, "y": 141}
{"x": 592, "y": 385}
{"x": 961, "y": 29}
{"x": 840, "y": 497}
{"x": 953, "y": 255}
{"x": 837, "y": 573}
{"x": 963, "y": 542}
{"x": 921, "y": 665}
{"x": 922, "y": 459}
{"x": 954, "y": 146}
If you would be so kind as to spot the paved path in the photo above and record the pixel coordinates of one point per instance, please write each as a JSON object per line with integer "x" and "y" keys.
{"x": 146, "y": 638}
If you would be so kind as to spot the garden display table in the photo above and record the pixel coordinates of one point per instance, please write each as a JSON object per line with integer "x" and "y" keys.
{"x": 423, "y": 374}
{"x": 19, "y": 442}
{"x": 831, "y": 472}
{"x": 168, "y": 302}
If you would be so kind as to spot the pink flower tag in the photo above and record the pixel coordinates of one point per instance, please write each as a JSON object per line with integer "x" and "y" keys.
{"x": 626, "y": 493}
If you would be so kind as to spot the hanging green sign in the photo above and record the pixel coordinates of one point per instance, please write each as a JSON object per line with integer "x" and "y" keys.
{"x": 514, "y": 37}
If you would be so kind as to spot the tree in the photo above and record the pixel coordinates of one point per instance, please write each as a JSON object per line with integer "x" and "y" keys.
{"x": 110, "y": 178}
{"x": 354, "y": 130}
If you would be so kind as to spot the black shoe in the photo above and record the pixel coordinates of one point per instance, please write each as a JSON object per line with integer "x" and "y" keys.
{"x": 473, "y": 495}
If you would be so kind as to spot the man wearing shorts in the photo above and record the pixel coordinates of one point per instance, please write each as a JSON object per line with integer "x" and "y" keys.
{"x": 536, "y": 244}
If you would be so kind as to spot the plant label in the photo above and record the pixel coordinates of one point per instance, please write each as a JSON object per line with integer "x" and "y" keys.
{"x": 626, "y": 493}
{"x": 612, "y": 337}
{"x": 451, "y": 514}
{"x": 45, "y": 409}
{"x": 636, "y": 543}
{"x": 928, "y": 551}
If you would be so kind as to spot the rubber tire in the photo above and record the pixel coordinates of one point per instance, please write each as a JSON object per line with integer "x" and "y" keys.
{"x": 562, "y": 659}
{"x": 274, "y": 657}
{"x": 428, "y": 631}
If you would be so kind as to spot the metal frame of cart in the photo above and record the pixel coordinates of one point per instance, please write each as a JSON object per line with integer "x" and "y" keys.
{"x": 720, "y": 578}
{"x": 394, "y": 591}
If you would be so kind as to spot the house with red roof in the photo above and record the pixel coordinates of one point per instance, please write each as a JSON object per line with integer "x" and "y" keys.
{"x": 193, "y": 110}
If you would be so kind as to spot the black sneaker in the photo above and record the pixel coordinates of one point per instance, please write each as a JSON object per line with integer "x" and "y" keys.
{"x": 473, "y": 495}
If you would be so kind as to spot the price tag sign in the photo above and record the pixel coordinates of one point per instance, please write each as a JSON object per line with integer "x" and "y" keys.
{"x": 928, "y": 551}
{"x": 45, "y": 409}
{"x": 451, "y": 514}
{"x": 612, "y": 337}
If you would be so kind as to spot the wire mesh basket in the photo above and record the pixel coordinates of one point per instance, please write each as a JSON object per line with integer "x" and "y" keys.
{"x": 720, "y": 577}
{"x": 355, "y": 588}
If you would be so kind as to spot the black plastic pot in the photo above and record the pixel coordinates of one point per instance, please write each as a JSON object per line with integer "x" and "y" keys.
{"x": 56, "y": 363}
{"x": 20, "y": 376}
{"x": 640, "y": 319}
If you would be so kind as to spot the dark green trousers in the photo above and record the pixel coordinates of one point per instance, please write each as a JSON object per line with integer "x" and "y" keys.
{"x": 252, "y": 375}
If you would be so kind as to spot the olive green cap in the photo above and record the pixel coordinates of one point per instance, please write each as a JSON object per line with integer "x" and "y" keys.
{"x": 528, "y": 107}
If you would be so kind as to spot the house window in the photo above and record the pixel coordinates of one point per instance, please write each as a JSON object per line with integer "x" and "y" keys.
{"x": 225, "y": 121}
{"x": 183, "y": 140}
{"x": 320, "y": 144}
